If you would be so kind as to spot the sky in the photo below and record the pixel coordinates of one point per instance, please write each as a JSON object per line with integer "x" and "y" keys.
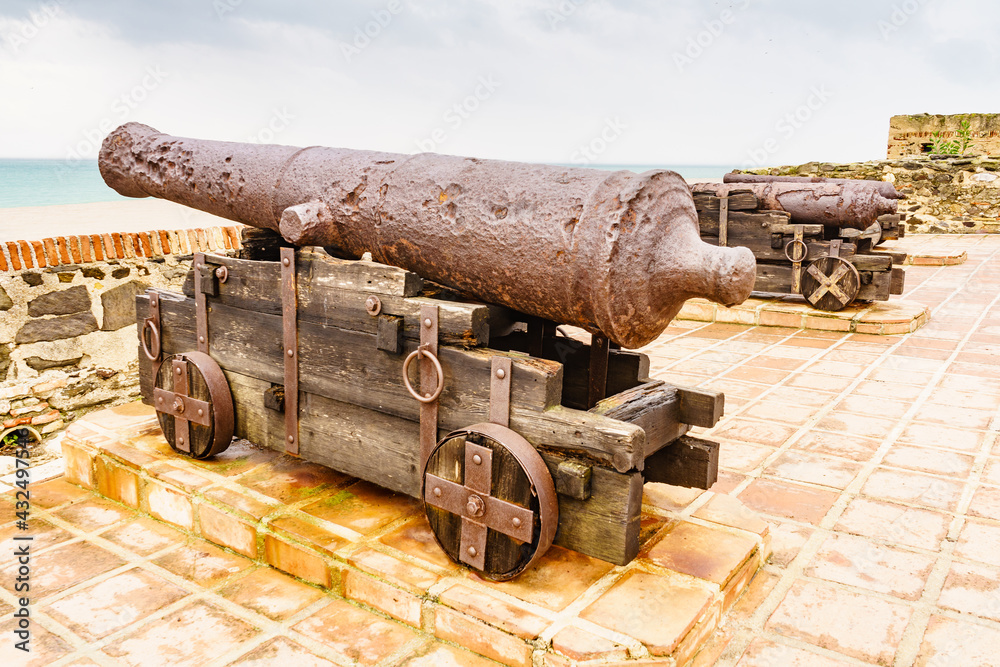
{"x": 628, "y": 82}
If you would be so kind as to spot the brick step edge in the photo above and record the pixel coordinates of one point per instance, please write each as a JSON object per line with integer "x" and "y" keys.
{"x": 887, "y": 318}
{"x": 103, "y": 462}
{"x": 60, "y": 250}
{"x": 936, "y": 259}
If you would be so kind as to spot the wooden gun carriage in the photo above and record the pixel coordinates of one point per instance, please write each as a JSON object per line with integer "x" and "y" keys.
{"x": 828, "y": 264}
{"x": 516, "y": 437}
{"x": 532, "y": 437}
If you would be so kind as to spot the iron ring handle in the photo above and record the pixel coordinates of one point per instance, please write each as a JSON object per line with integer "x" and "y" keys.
{"x": 805, "y": 250}
{"x": 437, "y": 368}
{"x": 154, "y": 339}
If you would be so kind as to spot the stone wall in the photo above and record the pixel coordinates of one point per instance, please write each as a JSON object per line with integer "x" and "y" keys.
{"x": 67, "y": 317}
{"x": 912, "y": 135}
{"x": 952, "y": 195}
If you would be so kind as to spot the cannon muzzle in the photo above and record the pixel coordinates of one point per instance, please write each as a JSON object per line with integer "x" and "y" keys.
{"x": 615, "y": 253}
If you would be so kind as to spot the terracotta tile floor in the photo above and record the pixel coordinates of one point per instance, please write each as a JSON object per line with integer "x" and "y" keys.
{"x": 875, "y": 460}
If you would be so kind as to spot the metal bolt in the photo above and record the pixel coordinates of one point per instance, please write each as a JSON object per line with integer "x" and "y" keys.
{"x": 516, "y": 522}
{"x": 373, "y": 305}
{"x": 177, "y": 370}
{"x": 159, "y": 400}
{"x": 180, "y": 440}
{"x": 201, "y": 413}
{"x": 475, "y": 506}
{"x": 473, "y": 552}
{"x": 201, "y": 339}
{"x": 501, "y": 374}
{"x": 428, "y": 323}
{"x": 291, "y": 352}
{"x": 285, "y": 261}
{"x": 291, "y": 438}
{"x": 477, "y": 459}
{"x": 178, "y": 405}
{"x": 437, "y": 491}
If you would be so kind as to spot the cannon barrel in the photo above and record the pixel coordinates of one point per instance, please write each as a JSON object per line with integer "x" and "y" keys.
{"x": 615, "y": 253}
{"x": 854, "y": 204}
{"x": 884, "y": 188}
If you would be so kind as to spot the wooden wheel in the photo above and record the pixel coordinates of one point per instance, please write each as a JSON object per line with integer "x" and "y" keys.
{"x": 830, "y": 283}
{"x": 193, "y": 404}
{"x": 490, "y": 500}
{"x": 873, "y": 233}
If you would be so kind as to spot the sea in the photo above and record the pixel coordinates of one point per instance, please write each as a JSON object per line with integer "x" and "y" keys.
{"x": 26, "y": 182}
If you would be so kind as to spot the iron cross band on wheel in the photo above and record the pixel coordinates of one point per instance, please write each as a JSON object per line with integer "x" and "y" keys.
{"x": 490, "y": 500}
{"x": 193, "y": 404}
{"x": 830, "y": 283}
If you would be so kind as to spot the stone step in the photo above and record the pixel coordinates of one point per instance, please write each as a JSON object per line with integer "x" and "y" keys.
{"x": 375, "y": 549}
{"x": 879, "y": 318}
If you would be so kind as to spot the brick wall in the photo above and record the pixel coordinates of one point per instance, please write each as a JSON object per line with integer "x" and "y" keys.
{"x": 909, "y": 135}
{"x": 67, "y": 317}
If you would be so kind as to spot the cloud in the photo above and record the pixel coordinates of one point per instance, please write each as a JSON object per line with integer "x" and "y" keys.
{"x": 383, "y": 74}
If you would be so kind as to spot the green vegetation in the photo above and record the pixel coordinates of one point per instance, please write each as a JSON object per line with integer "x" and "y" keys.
{"x": 9, "y": 442}
{"x": 957, "y": 146}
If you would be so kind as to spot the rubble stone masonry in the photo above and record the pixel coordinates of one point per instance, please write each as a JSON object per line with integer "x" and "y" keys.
{"x": 67, "y": 317}
{"x": 943, "y": 195}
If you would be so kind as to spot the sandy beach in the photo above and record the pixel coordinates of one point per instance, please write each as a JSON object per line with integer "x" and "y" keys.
{"x": 33, "y": 223}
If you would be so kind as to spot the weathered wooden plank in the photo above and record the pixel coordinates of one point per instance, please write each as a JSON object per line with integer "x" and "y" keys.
{"x": 618, "y": 443}
{"x": 878, "y": 288}
{"x": 871, "y": 262}
{"x": 762, "y": 250}
{"x": 773, "y": 278}
{"x": 690, "y": 462}
{"x": 384, "y": 449}
{"x": 654, "y": 406}
{"x": 744, "y": 223}
{"x": 789, "y": 230}
{"x": 606, "y": 525}
{"x": 573, "y": 479}
{"x": 363, "y": 443}
{"x": 898, "y": 258}
{"x": 334, "y": 292}
{"x": 739, "y": 200}
{"x": 701, "y": 407}
{"x": 389, "y": 336}
{"x": 626, "y": 369}
{"x": 896, "y": 280}
{"x": 345, "y": 366}
{"x": 261, "y": 244}
{"x": 322, "y": 271}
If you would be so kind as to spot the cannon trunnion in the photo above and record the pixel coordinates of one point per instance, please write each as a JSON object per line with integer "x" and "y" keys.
{"x": 514, "y": 435}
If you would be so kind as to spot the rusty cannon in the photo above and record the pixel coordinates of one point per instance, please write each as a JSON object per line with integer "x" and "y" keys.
{"x": 614, "y": 253}
{"x": 846, "y": 203}
{"x": 438, "y": 366}
{"x": 884, "y": 188}
{"x": 811, "y": 236}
